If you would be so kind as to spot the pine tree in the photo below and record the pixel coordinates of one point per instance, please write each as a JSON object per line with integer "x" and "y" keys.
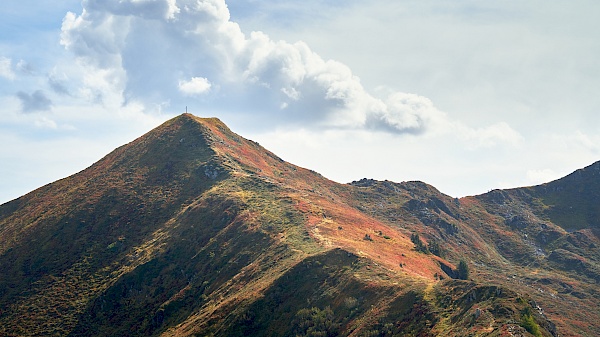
{"x": 434, "y": 247}
{"x": 463, "y": 270}
{"x": 419, "y": 245}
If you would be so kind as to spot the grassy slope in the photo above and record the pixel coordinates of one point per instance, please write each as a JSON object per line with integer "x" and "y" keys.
{"x": 90, "y": 228}
{"x": 465, "y": 230}
{"x": 555, "y": 265}
{"x": 570, "y": 202}
{"x": 192, "y": 229}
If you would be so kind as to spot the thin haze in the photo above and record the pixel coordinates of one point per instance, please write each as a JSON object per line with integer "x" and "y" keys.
{"x": 465, "y": 95}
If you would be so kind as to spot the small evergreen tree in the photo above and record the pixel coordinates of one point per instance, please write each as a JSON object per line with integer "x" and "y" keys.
{"x": 529, "y": 323}
{"x": 419, "y": 245}
{"x": 434, "y": 247}
{"x": 463, "y": 270}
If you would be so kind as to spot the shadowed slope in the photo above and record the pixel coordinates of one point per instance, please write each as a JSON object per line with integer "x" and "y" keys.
{"x": 65, "y": 242}
{"x": 570, "y": 202}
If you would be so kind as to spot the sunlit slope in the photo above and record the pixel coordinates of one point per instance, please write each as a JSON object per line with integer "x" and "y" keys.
{"x": 193, "y": 230}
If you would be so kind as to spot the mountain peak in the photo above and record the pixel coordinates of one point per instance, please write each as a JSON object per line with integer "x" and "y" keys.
{"x": 192, "y": 229}
{"x": 212, "y": 122}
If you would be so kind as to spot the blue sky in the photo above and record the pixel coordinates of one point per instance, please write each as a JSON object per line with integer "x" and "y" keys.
{"x": 465, "y": 95}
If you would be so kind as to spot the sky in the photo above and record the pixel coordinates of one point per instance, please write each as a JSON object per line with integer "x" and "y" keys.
{"x": 465, "y": 95}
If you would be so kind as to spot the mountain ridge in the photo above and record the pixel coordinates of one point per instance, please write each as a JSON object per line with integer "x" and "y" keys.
{"x": 193, "y": 230}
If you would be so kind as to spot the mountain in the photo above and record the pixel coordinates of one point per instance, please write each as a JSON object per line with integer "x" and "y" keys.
{"x": 192, "y": 230}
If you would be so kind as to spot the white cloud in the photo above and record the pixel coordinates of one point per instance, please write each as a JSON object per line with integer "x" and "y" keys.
{"x": 287, "y": 83}
{"x": 292, "y": 93}
{"x": 6, "y": 68}
{"x": 408, "y": 113}
{"x": 195, "y": 86}
{"x": 481, "y": 62}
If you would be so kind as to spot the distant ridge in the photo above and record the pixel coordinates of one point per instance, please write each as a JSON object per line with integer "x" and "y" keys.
{"x": 570, "y": 202}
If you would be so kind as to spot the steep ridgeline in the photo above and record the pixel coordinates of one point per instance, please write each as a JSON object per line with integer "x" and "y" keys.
{"x": 192, "y": 230}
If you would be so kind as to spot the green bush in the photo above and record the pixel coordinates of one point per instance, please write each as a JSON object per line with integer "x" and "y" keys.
{"x": 315, "y": 322}
{"x": 528, "y": 322}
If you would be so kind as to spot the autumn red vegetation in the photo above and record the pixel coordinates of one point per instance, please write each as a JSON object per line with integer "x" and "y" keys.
{"x": 193, "y": 230}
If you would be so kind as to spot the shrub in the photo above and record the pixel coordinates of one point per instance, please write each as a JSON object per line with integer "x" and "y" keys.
{"x": 529, "y": 323}
{"x": 315, "y": 322}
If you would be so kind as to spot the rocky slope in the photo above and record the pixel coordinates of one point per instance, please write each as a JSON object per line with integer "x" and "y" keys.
{"x": 192, "y": 230}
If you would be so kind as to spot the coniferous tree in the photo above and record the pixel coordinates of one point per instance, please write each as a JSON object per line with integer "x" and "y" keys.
{"x": 434, "y": 247}
{"x": 463, "y": 270}
{"x": 419, "y": 245}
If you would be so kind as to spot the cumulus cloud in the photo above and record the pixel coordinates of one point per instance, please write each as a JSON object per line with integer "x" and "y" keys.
{"x": 407, "y": 113}
{"x": 277, "y": 81}
{"x": 36, "y": 101}
{"x": 197, "y": 37}
{"x": 154, "y": 9}
{"x": 195, "y": 86}
{"x": 6, "y": 68}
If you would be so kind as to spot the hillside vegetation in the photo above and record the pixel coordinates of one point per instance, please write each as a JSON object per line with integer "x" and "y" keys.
{"x": 192, "y": 230}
